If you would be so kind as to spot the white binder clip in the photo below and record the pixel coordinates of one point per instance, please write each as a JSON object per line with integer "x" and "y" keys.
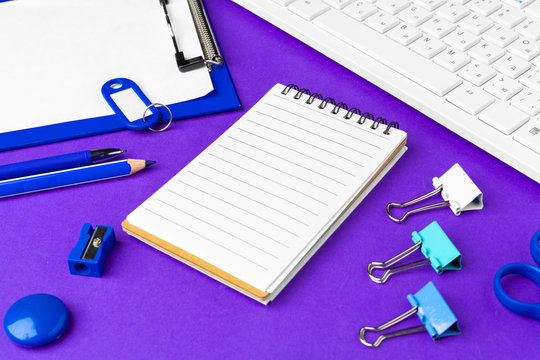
{"x": 457, "y": 189}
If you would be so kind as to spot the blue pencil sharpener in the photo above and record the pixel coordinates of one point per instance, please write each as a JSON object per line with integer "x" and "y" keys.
{"x": 89, "y": 254}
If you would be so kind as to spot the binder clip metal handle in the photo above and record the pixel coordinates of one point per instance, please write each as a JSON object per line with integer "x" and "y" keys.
{"x": 436, "y": 316}
{"x": 414, "y": 201}
{"x": 456, "y": 188}
{"x": 396, "y": 269}
{"x": 392, "y": 334}
{"x": 435, "y": 245}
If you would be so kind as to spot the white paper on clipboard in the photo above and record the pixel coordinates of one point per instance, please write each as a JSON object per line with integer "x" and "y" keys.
{"x": 57, "y": 54}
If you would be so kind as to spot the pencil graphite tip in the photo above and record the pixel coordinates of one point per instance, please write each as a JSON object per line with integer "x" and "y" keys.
{"x": 149, "y": 163}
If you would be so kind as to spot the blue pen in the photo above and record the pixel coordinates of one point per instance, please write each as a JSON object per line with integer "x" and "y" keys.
{"x": 63, "y": 178}
{"x": 55, "y": 163}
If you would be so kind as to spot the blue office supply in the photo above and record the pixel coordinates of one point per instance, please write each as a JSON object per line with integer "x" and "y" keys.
{"x": 531, "y": 272}
{"x": 36, "y": 320}
{"x": 223, "y": 98}
{"x": 435, "y": 245}
{"x": 437, "y": 317}
{"x": 55, "y": 163}
{"x": 89, "y": 254}
{"x": 121, "y": 84}
{"x": 70, "y": 177}
{"x": 434, "y": 313}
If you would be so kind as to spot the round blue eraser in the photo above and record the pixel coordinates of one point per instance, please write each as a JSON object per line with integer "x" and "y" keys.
{"x": 36, "y": 320}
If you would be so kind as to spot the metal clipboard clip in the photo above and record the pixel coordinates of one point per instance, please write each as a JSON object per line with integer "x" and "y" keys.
{"x": 437, "y": 318}
{"x": 211, "y": 54}
{"x": 457, "y": 189}
{"x": 435, "y": 245}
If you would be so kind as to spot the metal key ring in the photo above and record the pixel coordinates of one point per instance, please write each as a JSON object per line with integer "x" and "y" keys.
{"x": 155, "y": 105}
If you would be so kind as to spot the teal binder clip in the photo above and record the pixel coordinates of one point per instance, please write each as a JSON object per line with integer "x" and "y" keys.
{"x": 435, "y": 245}
{"x": 437, "y": 317}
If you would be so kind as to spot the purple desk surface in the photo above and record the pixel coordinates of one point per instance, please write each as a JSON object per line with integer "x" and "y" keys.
{"x": 150, "y": 306}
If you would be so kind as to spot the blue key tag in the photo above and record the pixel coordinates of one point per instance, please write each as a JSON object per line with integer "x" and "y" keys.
{"x": 130, "y": 104}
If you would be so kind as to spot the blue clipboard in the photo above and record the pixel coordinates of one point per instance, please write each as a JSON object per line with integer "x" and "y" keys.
{"x": 223, "y": 98}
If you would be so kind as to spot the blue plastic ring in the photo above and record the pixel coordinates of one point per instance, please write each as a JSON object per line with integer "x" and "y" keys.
{"x": 529, "y": 271}
{"x": 535, "y": 247}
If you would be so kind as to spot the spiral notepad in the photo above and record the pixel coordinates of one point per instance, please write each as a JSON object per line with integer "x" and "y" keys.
{"x": 253, "y": 207}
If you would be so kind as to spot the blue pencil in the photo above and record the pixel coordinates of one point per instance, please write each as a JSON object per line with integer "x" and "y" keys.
{"x": 55, "y": 163}
{"x": 70, "y": 177}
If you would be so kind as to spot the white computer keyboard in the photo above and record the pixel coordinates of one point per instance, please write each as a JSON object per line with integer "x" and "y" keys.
{"x": 471, "y": 65}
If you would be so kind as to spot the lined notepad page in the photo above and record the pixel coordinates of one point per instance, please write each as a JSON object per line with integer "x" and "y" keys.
{"x": 256, "y": 200}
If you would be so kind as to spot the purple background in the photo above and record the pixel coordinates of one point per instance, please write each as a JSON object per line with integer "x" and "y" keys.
{"x": 149, "y": 305}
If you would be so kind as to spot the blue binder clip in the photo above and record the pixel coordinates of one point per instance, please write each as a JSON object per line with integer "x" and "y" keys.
{"x": 437, "y": 318}
{"x": 438, "y": 249}
{"x": 89, "y": 254}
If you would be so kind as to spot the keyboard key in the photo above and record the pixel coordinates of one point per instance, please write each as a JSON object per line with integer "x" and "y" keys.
{"x": 533, "y": 9}
{"x": 461, "y": 40}
{"x": 519, "y": 4}
{"x": 462, "y": 2}
{"x": 430, "y": 4}
{"x": 529, "y": 135}
{"x": 392, "y": 6}
{"x": 283, "y": 2}
{"x": 477, "y": 73}
{"x": 503, "y": 117}
{"x": 503, "y": 87}
{"x": 360, "y": 10}
{"x": 531, "y": 79}
{"x": 484, "y": 7}
{"x": 437, "y": 27}
{"x": 423, "y": 72}
{"x": 486, "y": 52}
{"x": 338, "y": 4}
{"x": 477, "y": 24}
{"x": 512, "y": 65}
{"x": 526, "y": 48}
{"x": 415, "y": 15}
{"x": 500, "y": 36}
{"x": 452, "y": 60}
{"x": 428, "y": 47}
{"x": 452, "y": 12}
{"x": 470, "y": 98}
{"x": 507, "y": 16}
{"x": 308, "y": 9}
{"x": 530, "y": 28}
{"x": 404, "y": 34}
{"x": 382, "y": 22}
{"x": 528, "y": 101}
